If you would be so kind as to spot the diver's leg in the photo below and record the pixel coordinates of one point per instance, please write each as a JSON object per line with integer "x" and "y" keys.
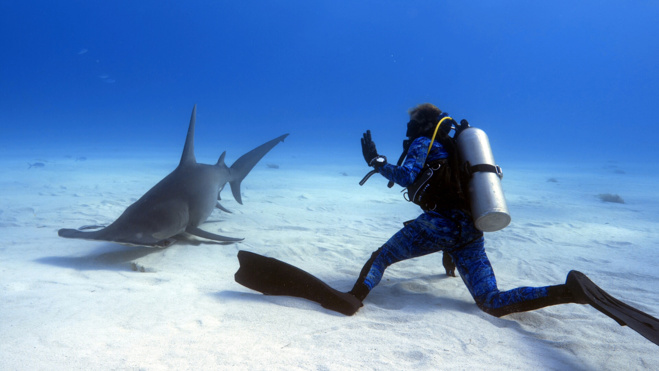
{"x": 558, "y": 294}
{"x": 476, "y": 271}
{"x": 425, "y": 235}
{"x": 360, "y": 290}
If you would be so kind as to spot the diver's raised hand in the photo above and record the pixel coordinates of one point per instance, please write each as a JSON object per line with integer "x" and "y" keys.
{"x": 368, "y": 147}
{"x": 370, "y": 152}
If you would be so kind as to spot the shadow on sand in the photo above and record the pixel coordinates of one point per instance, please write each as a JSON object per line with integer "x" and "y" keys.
{"x": 109, "y": 256}
{"x": 114, "y": 256}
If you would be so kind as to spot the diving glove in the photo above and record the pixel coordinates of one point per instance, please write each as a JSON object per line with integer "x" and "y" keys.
{"x": 371, "y": 153}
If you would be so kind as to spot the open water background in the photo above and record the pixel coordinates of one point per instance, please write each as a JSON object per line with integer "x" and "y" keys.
{"x": 556, "y": 81}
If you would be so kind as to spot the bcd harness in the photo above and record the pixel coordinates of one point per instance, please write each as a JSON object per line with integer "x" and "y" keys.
{"x": 442, "y": 183}
{"x": 453, "y": 182}
{"x": 439, "y": 183}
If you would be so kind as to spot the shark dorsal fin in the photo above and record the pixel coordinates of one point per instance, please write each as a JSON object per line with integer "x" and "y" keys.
{"x": 188, "y": 157}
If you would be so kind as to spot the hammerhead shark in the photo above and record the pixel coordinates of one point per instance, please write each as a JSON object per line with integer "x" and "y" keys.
{"x": 180, "y": 202}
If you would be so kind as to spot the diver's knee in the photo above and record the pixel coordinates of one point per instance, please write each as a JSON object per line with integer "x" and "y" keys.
{"x": 486, "y": 304}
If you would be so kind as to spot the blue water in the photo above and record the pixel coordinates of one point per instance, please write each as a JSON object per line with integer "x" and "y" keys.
{"x": 563, "y": 81}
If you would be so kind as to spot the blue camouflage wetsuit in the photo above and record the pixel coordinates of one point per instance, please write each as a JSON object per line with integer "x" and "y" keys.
{"x": 449, "y": 230}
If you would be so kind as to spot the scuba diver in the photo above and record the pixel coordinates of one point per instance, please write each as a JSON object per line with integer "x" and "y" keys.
{"x": 456, "y": 183}
{"x": 446, "y": 223}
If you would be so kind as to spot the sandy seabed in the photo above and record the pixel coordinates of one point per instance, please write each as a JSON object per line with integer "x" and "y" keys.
{"x": 74, "y": 304}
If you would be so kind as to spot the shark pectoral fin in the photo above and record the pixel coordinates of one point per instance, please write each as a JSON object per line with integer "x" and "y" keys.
{"x": 220, "y": 191}
{"x": 210, "y": 236}
{"x": 235, "y": 190}
{"x": 223, "y": 208}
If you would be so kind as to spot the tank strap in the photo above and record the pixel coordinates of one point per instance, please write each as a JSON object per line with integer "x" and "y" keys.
{"x": 484, "y": 168}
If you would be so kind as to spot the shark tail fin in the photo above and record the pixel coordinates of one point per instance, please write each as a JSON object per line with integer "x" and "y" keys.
{"x": 188, "y": 156}
{"x": 246, "y": 163}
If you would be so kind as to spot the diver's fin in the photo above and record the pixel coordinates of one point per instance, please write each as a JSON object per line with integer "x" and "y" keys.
{"x": 587, "y": 291}
{"x": 211, "y": 236}
{"x": 273, "y": 277}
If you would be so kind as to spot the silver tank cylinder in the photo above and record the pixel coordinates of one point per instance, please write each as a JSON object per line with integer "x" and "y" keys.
{"x": 488, "y": 204}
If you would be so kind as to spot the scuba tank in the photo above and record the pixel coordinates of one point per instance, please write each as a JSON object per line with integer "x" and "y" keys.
{"x": 488, "y": 205}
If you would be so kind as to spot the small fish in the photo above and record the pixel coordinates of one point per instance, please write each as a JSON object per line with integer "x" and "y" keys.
{"x": 36, "y": 164}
